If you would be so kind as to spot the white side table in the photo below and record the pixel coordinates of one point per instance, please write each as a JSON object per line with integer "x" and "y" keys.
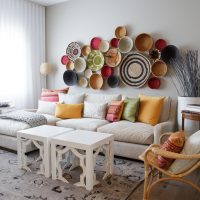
{"x": 40, "y": 136}
{"x": 91, "y": 143}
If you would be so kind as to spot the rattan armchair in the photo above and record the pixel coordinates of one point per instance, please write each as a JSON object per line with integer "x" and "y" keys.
{"x": 154, "y": 174}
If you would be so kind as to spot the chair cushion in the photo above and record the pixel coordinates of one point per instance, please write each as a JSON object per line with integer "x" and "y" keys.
{"x": 51, "y": 119}
{"x": 125, "y": 131}
{"x": 89, "y": 124}
{"x": 102, "y": 98}
{"x": 192, "y": 146}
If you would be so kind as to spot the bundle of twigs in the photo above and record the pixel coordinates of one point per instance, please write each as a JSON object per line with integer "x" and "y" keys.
{"x": 186, "y": 70}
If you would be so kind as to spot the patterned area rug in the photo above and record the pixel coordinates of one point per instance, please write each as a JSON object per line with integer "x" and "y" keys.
{"x": 16, "y": 184}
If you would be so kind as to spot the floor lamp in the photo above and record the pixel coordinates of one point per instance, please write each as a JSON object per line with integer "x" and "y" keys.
{"x": 45, "y": 69}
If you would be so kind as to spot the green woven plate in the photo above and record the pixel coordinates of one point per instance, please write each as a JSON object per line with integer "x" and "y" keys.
{"x": 95, "y": 60}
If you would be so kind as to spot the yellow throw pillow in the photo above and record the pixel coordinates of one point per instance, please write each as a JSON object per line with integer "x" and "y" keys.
{"x": 68, "y": 111}
{"x": 150, "y": 109}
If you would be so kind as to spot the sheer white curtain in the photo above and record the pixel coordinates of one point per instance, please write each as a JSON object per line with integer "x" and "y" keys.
{"x": 22, "y": 50}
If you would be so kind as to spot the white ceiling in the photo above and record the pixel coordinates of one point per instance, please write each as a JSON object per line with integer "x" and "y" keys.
{"x": 48, "y": 2}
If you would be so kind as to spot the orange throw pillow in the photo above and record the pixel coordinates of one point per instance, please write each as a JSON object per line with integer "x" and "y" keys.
{"x": 150, "y": 109}
{"x": 174, "y": 143}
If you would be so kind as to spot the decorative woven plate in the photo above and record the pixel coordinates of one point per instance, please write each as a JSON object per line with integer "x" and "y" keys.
{"x": 64, "y": 60}
{"x": 96, "y": 81}
{"x": 95, "y": 60}
{"x": 70, "y": 77}
{"x": 154, "y": 83}
{"x": 73, "y": 51}
{"x": 113, "y": 57}
{"x": 135, "y": 69}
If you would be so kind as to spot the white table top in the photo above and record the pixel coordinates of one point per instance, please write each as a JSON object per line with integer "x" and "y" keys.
{"x": 83, "y": 138}
{"x": 45, "y": 131}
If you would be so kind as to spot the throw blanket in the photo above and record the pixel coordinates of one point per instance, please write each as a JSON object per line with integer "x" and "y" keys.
{"x": 33, "y": 119}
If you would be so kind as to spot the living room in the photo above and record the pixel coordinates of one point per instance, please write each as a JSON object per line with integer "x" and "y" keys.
{"x": 108, "y": 91}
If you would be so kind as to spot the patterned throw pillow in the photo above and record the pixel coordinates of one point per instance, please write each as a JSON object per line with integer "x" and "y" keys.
{"x": 175, "y": 144}
{"x": 52, "y": 95}
{"x": 115, "y": 111}
{"x": 130, "y": 109}
{"x": 94, "y": 110}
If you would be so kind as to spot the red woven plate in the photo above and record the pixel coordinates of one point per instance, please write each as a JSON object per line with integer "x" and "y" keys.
{"x": 154, "y": 83}
{"x": 95, "y": 42}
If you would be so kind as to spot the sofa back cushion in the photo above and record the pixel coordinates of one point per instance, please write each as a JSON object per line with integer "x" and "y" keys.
{"x": 71, "y": 98}
{"x": 45, "y": 107}
{"x": 165, "y": 111}
{"x": 102, "y": 98}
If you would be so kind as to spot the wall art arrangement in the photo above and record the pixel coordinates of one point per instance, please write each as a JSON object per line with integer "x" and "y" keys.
{"x": 134, "y": 62}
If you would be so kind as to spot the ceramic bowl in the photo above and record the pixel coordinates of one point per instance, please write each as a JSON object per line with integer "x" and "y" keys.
{"x": 159, "y": 68}
{"x": 80, "y": 64}
{"x": 95, "y": 43}
{"x": 113, "y": 57}
{"x": 154, "y": 83}
{"x": 104, "y": 46}
{"x": 125, "y": 44}
{"x": 64, "y": 60}
{"x": 120, "y": 31}
{"x": 114, "y": 42}
{"x": 88, "y": 73}
{"x": 160, "y": 44}
{"x": 106, "y": 71}
{"x": 170, "y": 52}
{"x": 70, "y": 65}
{"x": 96, "y": 81}
{"x": 83, "y": 82}
{"x": 113, "y": 81}
{"x": 143, "y": 42}
{"x": 70, "y": 77}
{"x": 85, "y": 50}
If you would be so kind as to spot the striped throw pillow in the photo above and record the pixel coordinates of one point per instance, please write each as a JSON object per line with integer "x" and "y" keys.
{"x": 52, "y": 95}
{"x": 174, "y": 143}
{"x": 115, "y": 111}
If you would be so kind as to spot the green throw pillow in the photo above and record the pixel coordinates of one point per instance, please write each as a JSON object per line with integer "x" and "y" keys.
{"x": 130, "y": 109}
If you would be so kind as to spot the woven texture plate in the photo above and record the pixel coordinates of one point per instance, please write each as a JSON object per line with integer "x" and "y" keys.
{"x": 135, "y": 69}
{"x": 73, "y": 51}
{"x": 95, "y": 60}
{"x": 113, "y": 57}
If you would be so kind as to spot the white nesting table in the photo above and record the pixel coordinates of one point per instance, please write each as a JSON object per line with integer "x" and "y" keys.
{"x": 86, "y": 145}
{"x": 40, "y": 136}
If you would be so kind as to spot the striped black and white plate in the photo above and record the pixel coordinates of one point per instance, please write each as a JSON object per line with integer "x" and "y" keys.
{"x": 135, "y": 69}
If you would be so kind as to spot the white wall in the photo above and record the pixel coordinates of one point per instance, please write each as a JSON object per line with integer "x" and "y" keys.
{"x": 177, "y": 21}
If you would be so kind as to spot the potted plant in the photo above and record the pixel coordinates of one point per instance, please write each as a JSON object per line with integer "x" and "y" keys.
{"x": 186, "y": 79}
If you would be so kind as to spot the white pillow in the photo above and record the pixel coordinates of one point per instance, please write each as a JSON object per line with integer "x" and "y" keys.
{"x": 192, "y": 146}
{"x": 95, "y": 110}
{"x": 45, "y": 107}
{"x": 71, "y": 98}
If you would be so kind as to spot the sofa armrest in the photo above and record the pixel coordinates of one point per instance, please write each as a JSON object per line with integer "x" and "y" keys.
{"x": 167, "y": 126}
{"x": 161, "y": 128}
{"x": 31, "y": 110}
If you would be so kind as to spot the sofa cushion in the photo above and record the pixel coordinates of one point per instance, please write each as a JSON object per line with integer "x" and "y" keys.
{"x": 125, "y": 131}
{"x": 71, "y": 98}
{"x": 45, "y": 107}
{"x": 10, "y": 127}
{"x": 164, "y": 115}
{"x": 102, "y": 98}
{"x": 89, "y": 124}
{"x": 51, "y": 120}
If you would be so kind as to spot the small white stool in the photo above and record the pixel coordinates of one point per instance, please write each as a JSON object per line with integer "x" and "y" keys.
{"x": 92, "y": 143}
{"x": 40, "y": 136}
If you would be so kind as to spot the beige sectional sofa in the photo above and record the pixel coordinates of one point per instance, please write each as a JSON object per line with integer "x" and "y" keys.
{"x": 131, "y": 139}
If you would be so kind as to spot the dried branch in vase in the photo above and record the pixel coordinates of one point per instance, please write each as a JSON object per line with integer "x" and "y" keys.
{"x": 186, "y": 70}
